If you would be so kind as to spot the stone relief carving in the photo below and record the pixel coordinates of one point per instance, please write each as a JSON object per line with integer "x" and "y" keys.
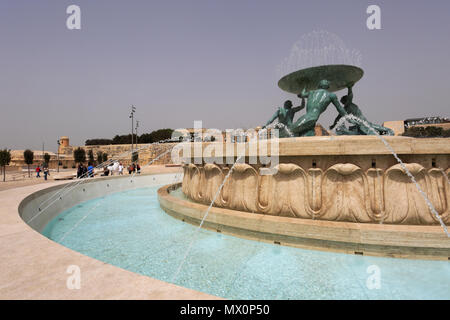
{"x": 343, "y": 192}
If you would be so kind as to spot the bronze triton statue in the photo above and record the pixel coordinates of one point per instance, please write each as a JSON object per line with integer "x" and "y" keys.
{"x": 318, "y": 102}
{"x": 365, "y": 127}
{"x": 285, "y": 116}
{"x": 317, "y": 85}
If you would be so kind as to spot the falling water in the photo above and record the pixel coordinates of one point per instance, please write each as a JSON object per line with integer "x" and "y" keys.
{"x": 72, "y": 185}
{"x": 380, "y": 181}
{"x": 204, "y": 218}
{"x": 318, "y": 48}
{"x": 263, "y": 133}
{"x": 100, "y": 202}
{"x": 388, "y": 146}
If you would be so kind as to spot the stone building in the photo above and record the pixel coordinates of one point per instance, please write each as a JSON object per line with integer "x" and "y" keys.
{"x": 119, "y": 152}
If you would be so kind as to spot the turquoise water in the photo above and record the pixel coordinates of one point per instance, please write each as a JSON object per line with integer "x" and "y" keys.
{"x": 131, "y": 231}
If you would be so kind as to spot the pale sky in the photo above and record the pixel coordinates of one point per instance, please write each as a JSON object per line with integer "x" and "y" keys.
{"x": 215, "y": 61}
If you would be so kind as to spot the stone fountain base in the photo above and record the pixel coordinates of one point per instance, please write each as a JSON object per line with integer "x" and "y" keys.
{"x": 345, "y": 193}
{"x": 351, "y": 179}
{"x": 416, "y": 242}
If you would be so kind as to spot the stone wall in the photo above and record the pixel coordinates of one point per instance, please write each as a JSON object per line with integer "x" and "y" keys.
{"x": 122, "y": 152}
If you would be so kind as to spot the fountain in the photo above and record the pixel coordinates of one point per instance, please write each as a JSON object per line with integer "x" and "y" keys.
{"x": 363, "y": 191}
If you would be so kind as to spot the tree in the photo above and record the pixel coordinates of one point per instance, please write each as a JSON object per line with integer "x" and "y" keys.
{"x": 122, "y": 139}
{"x": 5, "y": 159}
{"x": 105, "y": 157}
{"x": 446, "y": 133}
{"x": 28, "y": 156}
{"x": 91, "y": 156}
{"x": 154, "y": 136}
{"x": 79, "y": 155}
{"x": 47, "y": 159}
{"x": 426, "y": 132}
{"x": 98, "y": 142}
{"x": 145, "y": 138}
{"x": 135, "y": 157}
{"x": 99, "y": 157}
{"x": 161, "y": 134}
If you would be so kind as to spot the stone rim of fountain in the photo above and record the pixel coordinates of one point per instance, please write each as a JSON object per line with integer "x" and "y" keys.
{"x": 397, "y": 241}
{"x": 412, "y": 239}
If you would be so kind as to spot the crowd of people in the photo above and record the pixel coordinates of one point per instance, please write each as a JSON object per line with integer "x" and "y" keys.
{"x": 44, "y": 169}
{"x": 84, "y": 171}
{"x": 87, "y": 171}
{"x": 116, "y": 168}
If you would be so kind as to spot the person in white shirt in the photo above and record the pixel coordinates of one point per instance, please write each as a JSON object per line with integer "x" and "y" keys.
{"x": 120, "y": 168}
{"x": 116, "y": 167}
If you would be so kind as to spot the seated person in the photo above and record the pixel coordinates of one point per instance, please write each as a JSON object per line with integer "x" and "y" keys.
{"x": 105, "y": 172}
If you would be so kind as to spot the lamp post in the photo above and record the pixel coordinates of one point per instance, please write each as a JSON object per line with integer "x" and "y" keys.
{"x": 133, "y": 110}
{"x": 137, "y": 126}
{"x": 57, "y": 154}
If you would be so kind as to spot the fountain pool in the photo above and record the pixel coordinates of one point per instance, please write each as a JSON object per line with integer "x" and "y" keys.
{"x": 128, "y": 229}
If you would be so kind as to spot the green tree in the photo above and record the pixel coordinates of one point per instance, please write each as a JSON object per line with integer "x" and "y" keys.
{"x": 79, "y": 155}
{"x": 446, "y": 133}
{"x": 135, "y": 157}
{"x": 5, "y": 159}
{"x": 425, "y": 132}
{"x": 105, "y": 157}
{"x": 123, "y": 139}
{"x": 161, "y": 134}
{"x": 28, "y": 156}
{"x": 98, "y": 142}
{"x": 91, "y": 156}
{"x": 145, "y": 138}
{"x": 99, "y": 157}
{"x": 47, "y": 159}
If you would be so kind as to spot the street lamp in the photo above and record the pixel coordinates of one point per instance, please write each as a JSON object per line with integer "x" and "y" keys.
{"x": 137, "y": 147}
{"x": 133, "y": 110}
{"x": 57, "y": 153}
{"x": 137, "y": 126}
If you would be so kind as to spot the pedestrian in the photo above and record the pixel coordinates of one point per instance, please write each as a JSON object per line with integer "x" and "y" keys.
{"x": 110, "y": 168}
{"x": 84, "y": 172}
{"x": 90, "y": 170}
{"x": 120, "y": 168}
{"x": 116, "y": 167}
{"x": 38, "y": 171}
{"x": 79, "y": 171}
{"x": 138, "y": 167}
{"x": 46, "y": 173}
